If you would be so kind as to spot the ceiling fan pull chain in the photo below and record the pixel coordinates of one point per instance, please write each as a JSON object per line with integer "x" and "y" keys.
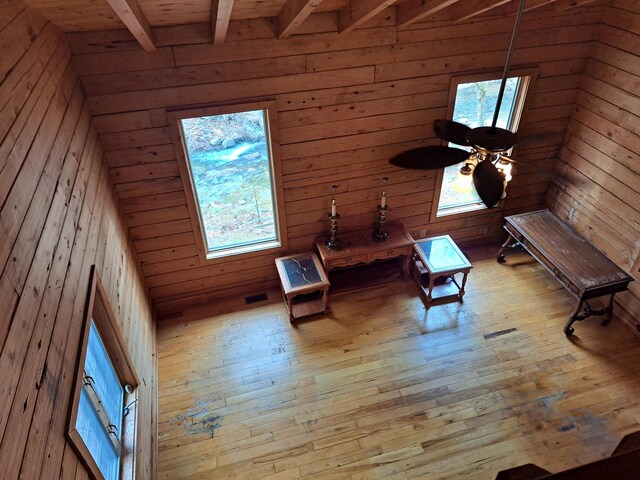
{"x": 507, "y": 64}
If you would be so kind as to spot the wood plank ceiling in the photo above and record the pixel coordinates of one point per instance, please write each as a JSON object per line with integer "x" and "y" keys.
{"x": 139, "y": 17}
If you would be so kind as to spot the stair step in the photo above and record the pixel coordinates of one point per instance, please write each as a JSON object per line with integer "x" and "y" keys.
{"x": 523, "y": 472}
{"x": 630, "y": 442}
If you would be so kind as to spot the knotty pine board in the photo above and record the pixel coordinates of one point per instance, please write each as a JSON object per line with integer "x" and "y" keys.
{"x": 598, "y": 186}
{"x": 18, "y": 33}
{"x": 59, "y": 215}
{"x": 346, "y": 105}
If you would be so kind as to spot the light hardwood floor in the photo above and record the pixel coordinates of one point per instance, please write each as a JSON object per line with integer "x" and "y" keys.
{"x": 381, "y": 388}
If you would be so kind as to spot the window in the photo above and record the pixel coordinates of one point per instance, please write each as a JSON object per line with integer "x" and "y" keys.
{"x": 473, "y": 105}
{"x": 232, "y": 176}
{"x": 102, "y": 420}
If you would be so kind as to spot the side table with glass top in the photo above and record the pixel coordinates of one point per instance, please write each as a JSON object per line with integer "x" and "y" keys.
{"x": 305, "y": 286}
{"x": 441, "y": 257}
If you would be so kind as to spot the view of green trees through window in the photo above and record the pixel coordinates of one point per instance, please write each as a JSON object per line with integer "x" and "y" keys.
{"x": 474, "y": 106}
{"x": 229, "y": 156}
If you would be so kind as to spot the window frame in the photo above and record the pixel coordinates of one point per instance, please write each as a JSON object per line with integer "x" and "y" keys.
{"x": 522, "y": 106}
{"x": 98, "y": 309}
{"x": 184, "y": 166}
{"x": 635, "y": 270}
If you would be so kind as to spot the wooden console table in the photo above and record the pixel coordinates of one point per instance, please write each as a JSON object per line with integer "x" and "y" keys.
{"x": 359, "y": 248}
{"x": 581, "y": 268}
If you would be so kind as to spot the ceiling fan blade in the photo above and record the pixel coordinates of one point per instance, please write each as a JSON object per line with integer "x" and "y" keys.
{"x": 535, "y": 169}
{"x": 430, "y": 157}
{"x": 491, "y": 139}
{"x": 489, "y": 183}
{"x": 451, "y": 131}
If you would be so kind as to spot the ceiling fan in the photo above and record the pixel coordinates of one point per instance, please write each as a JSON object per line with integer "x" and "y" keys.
{"x": 488, "y": 144}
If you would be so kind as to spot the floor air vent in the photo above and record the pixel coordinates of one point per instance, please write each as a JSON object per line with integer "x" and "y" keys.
{"x": 501, "y": 332}
{"x": 261, "y": 297}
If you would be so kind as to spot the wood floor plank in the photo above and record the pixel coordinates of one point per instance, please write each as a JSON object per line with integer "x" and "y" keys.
{"x": 381, "y": 387}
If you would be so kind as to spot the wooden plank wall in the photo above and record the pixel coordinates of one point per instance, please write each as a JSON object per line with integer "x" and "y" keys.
{"x": 346, "y": 105}
{"x": 59, "y": 215}
{"x": 598, "y": 186}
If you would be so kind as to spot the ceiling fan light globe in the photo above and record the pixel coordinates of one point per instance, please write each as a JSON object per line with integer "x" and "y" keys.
{"x": 464, "y": 180}
{"x": 504, "y": 167}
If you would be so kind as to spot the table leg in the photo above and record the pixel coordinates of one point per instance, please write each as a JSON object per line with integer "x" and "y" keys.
{"x": 406, "y": 265}
{"x": 432, "y": 280}
{"x": 290, "y": 306}
{"x": 464, "y": 282}
{"x": 325, "y": 298}
{"x": 287, "y": 302}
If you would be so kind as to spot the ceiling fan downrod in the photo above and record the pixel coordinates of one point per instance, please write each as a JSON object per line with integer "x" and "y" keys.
{"x": 495, "y": 140}
{"x": 507, "y": 64}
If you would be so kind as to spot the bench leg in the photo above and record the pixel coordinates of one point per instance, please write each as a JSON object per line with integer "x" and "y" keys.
{"x": 579, "y": 315}
{"x": 609, "y": 312}
{"x": 510, "y": 242}
{"x": 575, "y": 316}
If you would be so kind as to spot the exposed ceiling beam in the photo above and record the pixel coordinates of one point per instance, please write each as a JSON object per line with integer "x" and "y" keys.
{"x": 293, "y": 13}
{"x": 130, "y": 13}
{"x": 512, "y": 8}
{"x": 359, "y": 11}
{"x": 220, "y": 16}
{"x": 567, "y": 4}
{"x": 415, "y": 10}
{"x": 471, "y": 8}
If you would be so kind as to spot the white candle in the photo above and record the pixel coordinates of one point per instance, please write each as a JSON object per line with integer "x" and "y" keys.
{"x": 333, "y": 207}
{"x": 383, "y": 201}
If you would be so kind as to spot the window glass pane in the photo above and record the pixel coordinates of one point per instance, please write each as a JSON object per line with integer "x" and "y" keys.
{"x": 474, "y": 106}
{"x": 96, "y": 438}
{"x": 230, "y": 162}
{"x": 476, "y": 101}
{"x": 106, "y": 382}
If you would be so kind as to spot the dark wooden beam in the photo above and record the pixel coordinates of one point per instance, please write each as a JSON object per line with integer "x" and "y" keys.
{"x": 130, "y": 13}
{"x": 220, "y": 16}
{"x": 293, "y": 13}
{"x": 567, "y": 4}
{"x": 359, "y": 11}
{"x": 471, "y": 8}
{"x": 512, "y": 8}
{"x": 415, "y": 10}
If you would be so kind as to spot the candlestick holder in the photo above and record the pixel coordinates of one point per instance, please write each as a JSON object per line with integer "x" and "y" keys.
{"x": 332, "y": 242}
{"x": 379, "y": 234}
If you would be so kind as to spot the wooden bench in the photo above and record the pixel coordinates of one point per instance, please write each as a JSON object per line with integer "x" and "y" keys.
{"x": 581, "y": 268}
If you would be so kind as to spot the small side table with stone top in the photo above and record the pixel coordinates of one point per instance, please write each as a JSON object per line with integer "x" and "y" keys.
{"x": 441, "y": 257}
{"x": 305, "y": 286}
